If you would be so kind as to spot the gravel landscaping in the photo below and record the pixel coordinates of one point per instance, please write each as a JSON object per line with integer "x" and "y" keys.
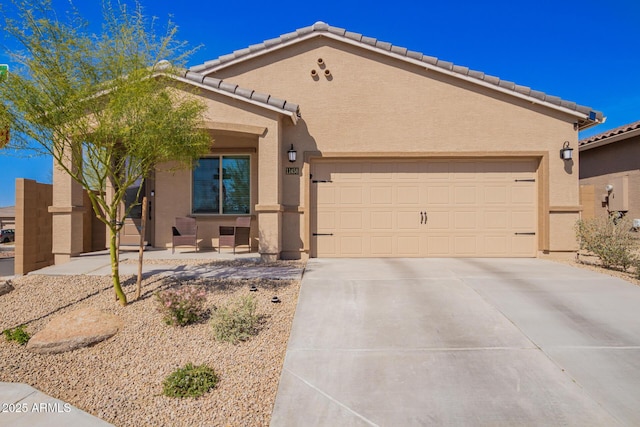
{"x": 120, "y": 379}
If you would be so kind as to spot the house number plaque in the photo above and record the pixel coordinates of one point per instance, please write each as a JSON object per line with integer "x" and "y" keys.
{"x": 292, "y": 171}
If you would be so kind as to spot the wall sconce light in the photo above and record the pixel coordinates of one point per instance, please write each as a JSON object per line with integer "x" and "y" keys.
{"x": 567, "y": 152}
{"x": 609, "y": 188}
{"x": 292, "y": 154}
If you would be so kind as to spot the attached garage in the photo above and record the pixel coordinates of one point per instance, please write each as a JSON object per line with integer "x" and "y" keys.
{"x": 425, "y": 208}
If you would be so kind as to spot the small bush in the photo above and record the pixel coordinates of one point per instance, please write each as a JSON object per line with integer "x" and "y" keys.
{"x": 609, "y": 240}
{"x": 190, "y": 381}
{"x": 236, "y": 322}
{"x": 183, "y": 305}
{"x": 17, "y": 334}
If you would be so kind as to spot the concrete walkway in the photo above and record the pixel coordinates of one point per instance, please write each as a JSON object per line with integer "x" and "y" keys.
{"x": 22, "y": 405}
{"x": 459, "y": 342}
{"x": 164, "y": 262}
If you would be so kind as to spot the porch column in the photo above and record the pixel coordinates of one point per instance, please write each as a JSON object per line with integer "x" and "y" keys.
{"x": 269, "y": 207}
{"x": 67, "y": 210}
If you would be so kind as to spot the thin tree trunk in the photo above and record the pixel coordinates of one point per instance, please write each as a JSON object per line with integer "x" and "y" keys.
{"x": 115, "y": 268}
{"x": 143, "y": 224}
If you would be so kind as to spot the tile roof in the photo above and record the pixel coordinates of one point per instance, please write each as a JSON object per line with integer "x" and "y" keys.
{"x": 590, "y": 118}
{"x": 227, "y": 88}
{"x": 610, "y": 133}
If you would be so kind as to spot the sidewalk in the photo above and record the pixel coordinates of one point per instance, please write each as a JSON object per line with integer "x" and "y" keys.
{"x": 24, "y": 406}
{"x": 164, "y": 262}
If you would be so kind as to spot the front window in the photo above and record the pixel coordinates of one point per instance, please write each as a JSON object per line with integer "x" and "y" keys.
{"x": 221, "y": 185}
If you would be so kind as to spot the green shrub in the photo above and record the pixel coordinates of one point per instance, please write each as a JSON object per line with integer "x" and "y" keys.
{"x": 183, "y": 305}
{"x": 611, "y": 241}
{"x": 17, "y": 334}
{"x": 236, "y": 322}
{"x": 190, "y": 381}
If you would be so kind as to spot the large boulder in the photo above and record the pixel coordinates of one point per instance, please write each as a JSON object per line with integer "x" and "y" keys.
{"x": 5, "y": 287}
{"x": 76, "y": 329}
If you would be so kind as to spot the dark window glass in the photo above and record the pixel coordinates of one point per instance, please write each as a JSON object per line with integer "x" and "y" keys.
{"x": 221, "y": 185}
{"x": 206, "y": 186}
{"x": 235, "y": 185}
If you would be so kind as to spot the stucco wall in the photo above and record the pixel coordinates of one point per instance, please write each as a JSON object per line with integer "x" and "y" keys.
{"x": 33, "y": 226}
{"x": 372, "y": 105}
{"x": 608, "y": 164}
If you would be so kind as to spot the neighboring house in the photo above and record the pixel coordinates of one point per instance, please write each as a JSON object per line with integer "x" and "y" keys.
{"x": 398, "y": 154}
{"x": 610, "y": 172}
{"x": 8, "y": 217}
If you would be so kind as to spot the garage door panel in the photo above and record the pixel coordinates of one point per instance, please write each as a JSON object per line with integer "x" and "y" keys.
{"x": 382, "y": 245}
{"x": 438, "y": 220}
{"x": 381, "y": 195}
{"x": 438, "y": 170}
{"x": 408, "y": 245}
{"x": 523, "y": 195}
{"x": 350, "y": 195}
{"x": 464, "y": 171}
{"x": 351, "y": 220}
{"x": 326, "y": 195}
{"x": 408, "y": 220}
{"x": 382, "y": 220}
{"x": 406, "y": 195}
{"x": 438, "y": 195}
{"x": 497, "y": 245}
{"x": 465, "y": 195}
{"x": 523, "y": 220}
{"x": 465, "y": 245}
{"x": 521, "y": 245}
{"x": 495, "y": 194}
{"x": 466, "y": 220}
{"x": 326, "y": 221}
{"x": 438, "y": 246}
{"x": 471, "y": 208}
{"x": 350, "y": 245}
{"x": 496, "y": 220}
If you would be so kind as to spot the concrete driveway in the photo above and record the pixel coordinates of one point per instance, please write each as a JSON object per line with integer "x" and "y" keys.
{"x": 499, "y": 342}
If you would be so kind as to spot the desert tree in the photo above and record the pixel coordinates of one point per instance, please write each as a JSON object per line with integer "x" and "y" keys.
{"x": 104, "y": 104}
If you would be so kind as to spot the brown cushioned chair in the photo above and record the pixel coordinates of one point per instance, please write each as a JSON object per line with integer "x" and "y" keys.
{"x": 237, "y": 235}
{"x": 185, "y": 233}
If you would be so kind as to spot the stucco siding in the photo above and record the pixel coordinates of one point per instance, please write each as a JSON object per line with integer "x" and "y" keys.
{"x": 371, "y": 105}
{"x": 608, "y": 164}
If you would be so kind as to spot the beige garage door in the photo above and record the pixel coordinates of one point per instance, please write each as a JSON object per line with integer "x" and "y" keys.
{"x": 443, "y": 208}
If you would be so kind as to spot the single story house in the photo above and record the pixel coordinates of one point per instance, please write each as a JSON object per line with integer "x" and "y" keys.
{"x": 610, "y": 172}
{"x": 394, "y": 154}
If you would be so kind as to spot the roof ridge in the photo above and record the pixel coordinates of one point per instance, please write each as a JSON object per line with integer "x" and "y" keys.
{"x": 388, "y": 48}
{"x": 232, "y": 88}
{"x": 612, "y": 132}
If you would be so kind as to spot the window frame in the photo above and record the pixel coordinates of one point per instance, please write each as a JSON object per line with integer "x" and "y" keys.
{"x": 220, "y": 158}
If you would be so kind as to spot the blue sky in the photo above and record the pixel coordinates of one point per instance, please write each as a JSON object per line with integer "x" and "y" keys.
{"x": 582, "y": 51}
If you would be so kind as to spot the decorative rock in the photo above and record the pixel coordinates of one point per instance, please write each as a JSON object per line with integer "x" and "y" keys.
{"x": 6, "y": 287}
{"x": 77, "y": 329}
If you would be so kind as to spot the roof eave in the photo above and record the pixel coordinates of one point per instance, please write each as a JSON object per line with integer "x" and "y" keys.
{"x": 609, "y": 140}
{"x": 293, "y": 116}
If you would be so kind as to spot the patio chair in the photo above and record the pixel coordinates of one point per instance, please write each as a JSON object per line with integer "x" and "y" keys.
{"x": 238, "y": 235}
{"x": 185, "y": 233}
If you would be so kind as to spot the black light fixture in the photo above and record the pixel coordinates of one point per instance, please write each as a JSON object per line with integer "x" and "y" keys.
{"x": 292, "y": 154}
{"x": 275, "y": 300}
{"x": 567, "y": 152}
